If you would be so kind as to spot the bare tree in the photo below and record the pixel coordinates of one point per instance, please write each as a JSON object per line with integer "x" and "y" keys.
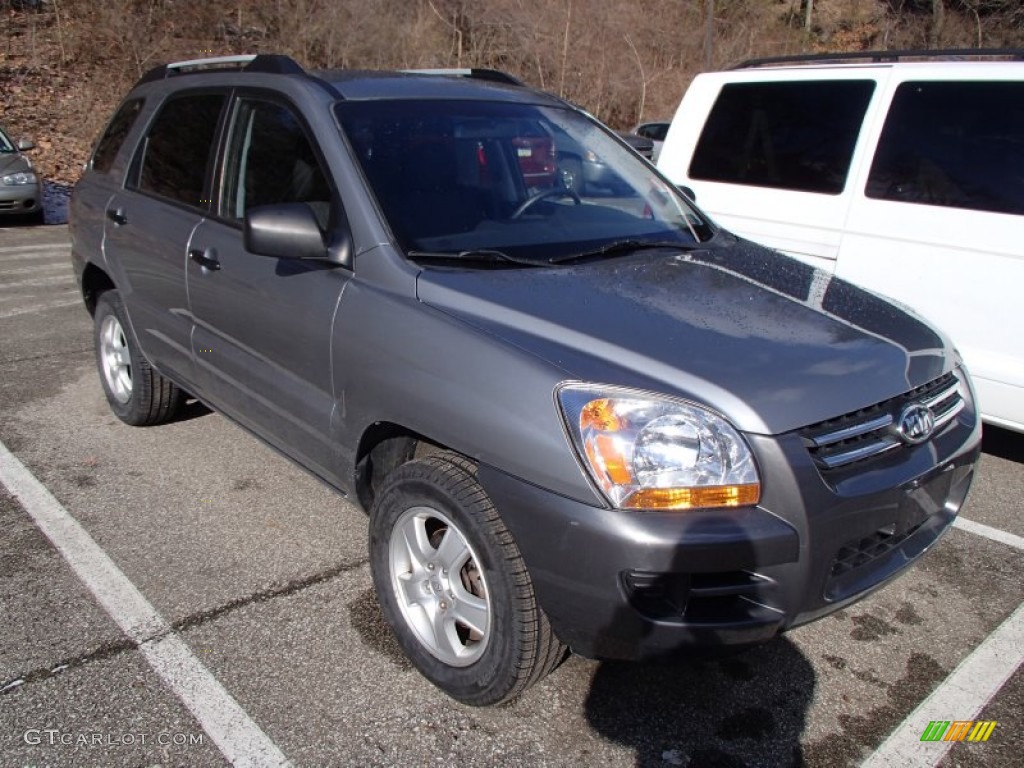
{"x": 938, "y": 22}
{"x": 709, "y": 32}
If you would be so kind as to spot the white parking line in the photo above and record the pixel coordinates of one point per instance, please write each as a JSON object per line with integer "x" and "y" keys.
{"x": 64, "y": 247}
{"x": 237, "y": 736}
{"x": 52, "y": 266}
{"x": 32, "y": 282}
{"x": 961, "y": 696}
{"x": 42, "y": 307}
{"x": 7, "y": 258}
{"x": 979, "y": 529}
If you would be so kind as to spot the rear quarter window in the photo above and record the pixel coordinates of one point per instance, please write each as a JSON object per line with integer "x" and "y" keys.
{"x": 953, "y": 144}
{"x": 794, "y": 135}
{"x": 117, "y": 131}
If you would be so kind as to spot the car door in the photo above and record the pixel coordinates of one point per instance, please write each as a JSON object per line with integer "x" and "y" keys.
{"x": 150, "y": 222}
{"x": 263, "y": 325}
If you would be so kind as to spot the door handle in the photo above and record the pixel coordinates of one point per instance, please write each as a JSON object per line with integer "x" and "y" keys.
{"x": 117, "y": 216}
{"x": 207, "y": 259}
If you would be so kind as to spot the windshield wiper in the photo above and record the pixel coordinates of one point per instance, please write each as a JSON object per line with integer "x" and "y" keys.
{"x": 620, "y": 247}
{"x": 479, "y": 254}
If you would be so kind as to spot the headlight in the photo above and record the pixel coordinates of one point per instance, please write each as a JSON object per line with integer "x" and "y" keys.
{"x": 651, "y": 452}
{"x": 20, "y": 178}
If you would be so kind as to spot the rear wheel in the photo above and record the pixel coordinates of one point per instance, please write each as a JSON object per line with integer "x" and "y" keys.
{"x": 453, "y": 585}
{"x": 137, "y": 394}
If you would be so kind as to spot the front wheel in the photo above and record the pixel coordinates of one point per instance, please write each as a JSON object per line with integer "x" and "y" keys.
{"x": 453, "y": 585}
{"x": 137, "y": 394}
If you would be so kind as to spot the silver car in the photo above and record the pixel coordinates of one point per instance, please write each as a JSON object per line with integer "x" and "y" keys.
{"x": 21, "y": 192}
{"x": 656, "y": 132}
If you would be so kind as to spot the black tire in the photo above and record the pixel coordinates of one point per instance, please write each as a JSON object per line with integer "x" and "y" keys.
{"x": 517, "y": 647}
{"x": 137, "y": 394}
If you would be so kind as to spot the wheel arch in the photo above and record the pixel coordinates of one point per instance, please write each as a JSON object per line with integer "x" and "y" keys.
{"x": 94, "y": 282}
{"x": 383, "y": 447}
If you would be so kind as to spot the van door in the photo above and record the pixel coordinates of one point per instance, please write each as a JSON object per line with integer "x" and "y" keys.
{"x": 937, "y": 225}
{"x": 771, "y": 161}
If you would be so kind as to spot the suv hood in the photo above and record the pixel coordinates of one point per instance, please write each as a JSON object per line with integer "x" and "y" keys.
{"x": 771, "y": 343}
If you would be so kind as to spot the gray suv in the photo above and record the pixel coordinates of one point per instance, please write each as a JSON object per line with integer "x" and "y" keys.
{"x": 578, "y": 420}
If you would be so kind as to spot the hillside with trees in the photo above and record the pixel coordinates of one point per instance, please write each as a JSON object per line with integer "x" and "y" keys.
{"x": 64, "y": 64}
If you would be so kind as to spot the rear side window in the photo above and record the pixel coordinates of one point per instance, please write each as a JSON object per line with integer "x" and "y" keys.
{"x": 179, "y": 147}
{"x": 798, "y": 136}
{"x": 110, "y": 143}
{"x": 953, "y": 144}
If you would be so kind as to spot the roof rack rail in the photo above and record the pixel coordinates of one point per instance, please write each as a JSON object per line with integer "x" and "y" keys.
{"x": 477, "y": 73}
{"x": 877, "y": 57}
{"x": 270, "y": 63}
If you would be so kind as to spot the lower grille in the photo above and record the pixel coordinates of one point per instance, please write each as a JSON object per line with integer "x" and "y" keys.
{"x": 698, "y": 598}
{"x": 860, "y": 552}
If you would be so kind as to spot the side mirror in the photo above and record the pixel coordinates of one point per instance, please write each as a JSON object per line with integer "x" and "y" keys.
{"x": 690, "y": 194}
{"x": 24, "y": 145}
{"x": 286, "y": 231}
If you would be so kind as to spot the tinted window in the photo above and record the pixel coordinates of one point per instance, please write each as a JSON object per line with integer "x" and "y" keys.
{"x": 178, "y": 148}
{"x": 271, "y": 160}
{"x": 953, "y": 144}
{"x": 797, "y": 136}
{"x": 6, "y": 145}
{"x": 653, "y": 131}
{"x": 112, "y": 139}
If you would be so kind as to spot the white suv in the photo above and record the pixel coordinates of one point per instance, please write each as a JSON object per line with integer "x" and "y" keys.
{"x": 903, "y": 172}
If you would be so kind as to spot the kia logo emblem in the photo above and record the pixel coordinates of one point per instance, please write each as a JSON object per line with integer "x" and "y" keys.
{"x": 916, "y": 423}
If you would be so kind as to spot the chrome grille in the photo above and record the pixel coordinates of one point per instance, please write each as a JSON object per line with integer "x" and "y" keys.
{"x": 872, "y": 431}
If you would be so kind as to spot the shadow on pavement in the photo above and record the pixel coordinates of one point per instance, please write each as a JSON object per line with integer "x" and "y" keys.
{"x": 192, "y": 409}
{"x": 744, "y": 709}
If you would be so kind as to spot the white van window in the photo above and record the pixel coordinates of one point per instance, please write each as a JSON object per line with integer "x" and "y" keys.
{"x": 955, "y": 144}
{"x": 795, "y": 135}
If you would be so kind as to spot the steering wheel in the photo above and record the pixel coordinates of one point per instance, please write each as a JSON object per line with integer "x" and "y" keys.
{"x": 556, "y": 192}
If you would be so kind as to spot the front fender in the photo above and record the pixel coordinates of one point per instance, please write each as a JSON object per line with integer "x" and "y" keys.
{"x": 398, "y": 360}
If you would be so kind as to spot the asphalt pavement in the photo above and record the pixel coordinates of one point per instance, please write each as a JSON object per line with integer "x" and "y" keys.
{"x": 254, "y": 576}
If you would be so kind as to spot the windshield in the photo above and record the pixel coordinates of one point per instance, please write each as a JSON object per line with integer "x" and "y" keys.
{"x": 5, "y": 143}
{"x": 531, "y": 182}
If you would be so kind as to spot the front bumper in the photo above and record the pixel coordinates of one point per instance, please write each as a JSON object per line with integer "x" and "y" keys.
{"x": 619, "y": 584}
{"x": 20, "y": 200}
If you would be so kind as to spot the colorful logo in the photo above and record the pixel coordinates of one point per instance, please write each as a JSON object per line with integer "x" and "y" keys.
{"x": 958, "y": 730}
